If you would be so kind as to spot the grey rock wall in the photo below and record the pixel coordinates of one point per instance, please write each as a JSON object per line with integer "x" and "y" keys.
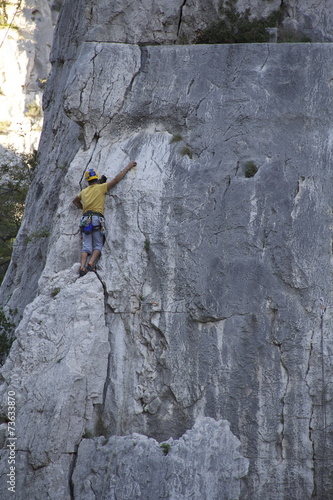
{"x": 303, "y": 16}
{"x": 25, "y": 43}
{"x": 58, "y": 144}
{"x": 169, "y": 465}
{"x": 208, "y": 324}
{"x": 178, "y": 21}
{"x": 219, "y": 315}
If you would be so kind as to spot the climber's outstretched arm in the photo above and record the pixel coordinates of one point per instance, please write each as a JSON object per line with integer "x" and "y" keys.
{"x": 121, "y": 175}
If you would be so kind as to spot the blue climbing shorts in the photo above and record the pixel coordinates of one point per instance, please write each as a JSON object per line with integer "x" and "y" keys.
{"x": 95, "y": 239}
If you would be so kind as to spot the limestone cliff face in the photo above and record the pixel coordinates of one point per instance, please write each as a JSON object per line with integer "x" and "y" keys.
{"x": 207, "y": 327}
{"x": 26, "y": 33}
{"x": 158, "y": 21}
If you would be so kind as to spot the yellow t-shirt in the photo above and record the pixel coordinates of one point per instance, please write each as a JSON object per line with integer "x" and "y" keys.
{"x": 93, "y": 197}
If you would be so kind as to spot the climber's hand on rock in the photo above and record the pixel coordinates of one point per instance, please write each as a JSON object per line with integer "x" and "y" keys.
{"x": 131, "y": 164}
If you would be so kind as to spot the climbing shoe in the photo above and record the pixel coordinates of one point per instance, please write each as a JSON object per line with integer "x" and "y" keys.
{"x": 91, "y": 267}
{"x": 82, "y": 272}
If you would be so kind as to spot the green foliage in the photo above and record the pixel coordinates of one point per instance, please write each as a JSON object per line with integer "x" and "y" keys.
{"x": 236, "y": 27}
{"x": 100, "y": 427}
{"x": 186, "y": 151}
{"x": 5, "y": 24}
{"x": 88, "y": 435}
{"x": 166, "y": 447}
{"x": 34, "y": 111}
{"x": 7, "y": 328}
{"x": 250, "y": 169}
{"x": 176, "y": 138}
{"x": 147, "y": 245}
{"x": 4, "y": 16}
{"x": 41, "y": 233}
{"x": 15, "y": 179}
{"x": 288, "y": 35}
{"x": 31, "y": 161}
{"x": 55, "y": 292}
{"x": 4, "y": 127}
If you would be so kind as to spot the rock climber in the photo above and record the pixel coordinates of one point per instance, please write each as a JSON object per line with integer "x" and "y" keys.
{"x": 91, "y": 201}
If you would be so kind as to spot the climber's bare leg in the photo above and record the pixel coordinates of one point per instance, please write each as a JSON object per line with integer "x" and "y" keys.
{"x": 94, "y": 257}
{"x": 84, "y": 257}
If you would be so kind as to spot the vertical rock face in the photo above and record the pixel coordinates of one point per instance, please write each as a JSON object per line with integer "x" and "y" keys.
{"x": 188, "y": 460}
{"x": 297, "y": 15}
{"x": 26, "y": 31}
{"x": 178, "y": 21}
{"x": 207, "y": 327}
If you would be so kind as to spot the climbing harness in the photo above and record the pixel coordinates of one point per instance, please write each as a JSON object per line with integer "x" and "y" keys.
{"x": 86, "y": 222}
